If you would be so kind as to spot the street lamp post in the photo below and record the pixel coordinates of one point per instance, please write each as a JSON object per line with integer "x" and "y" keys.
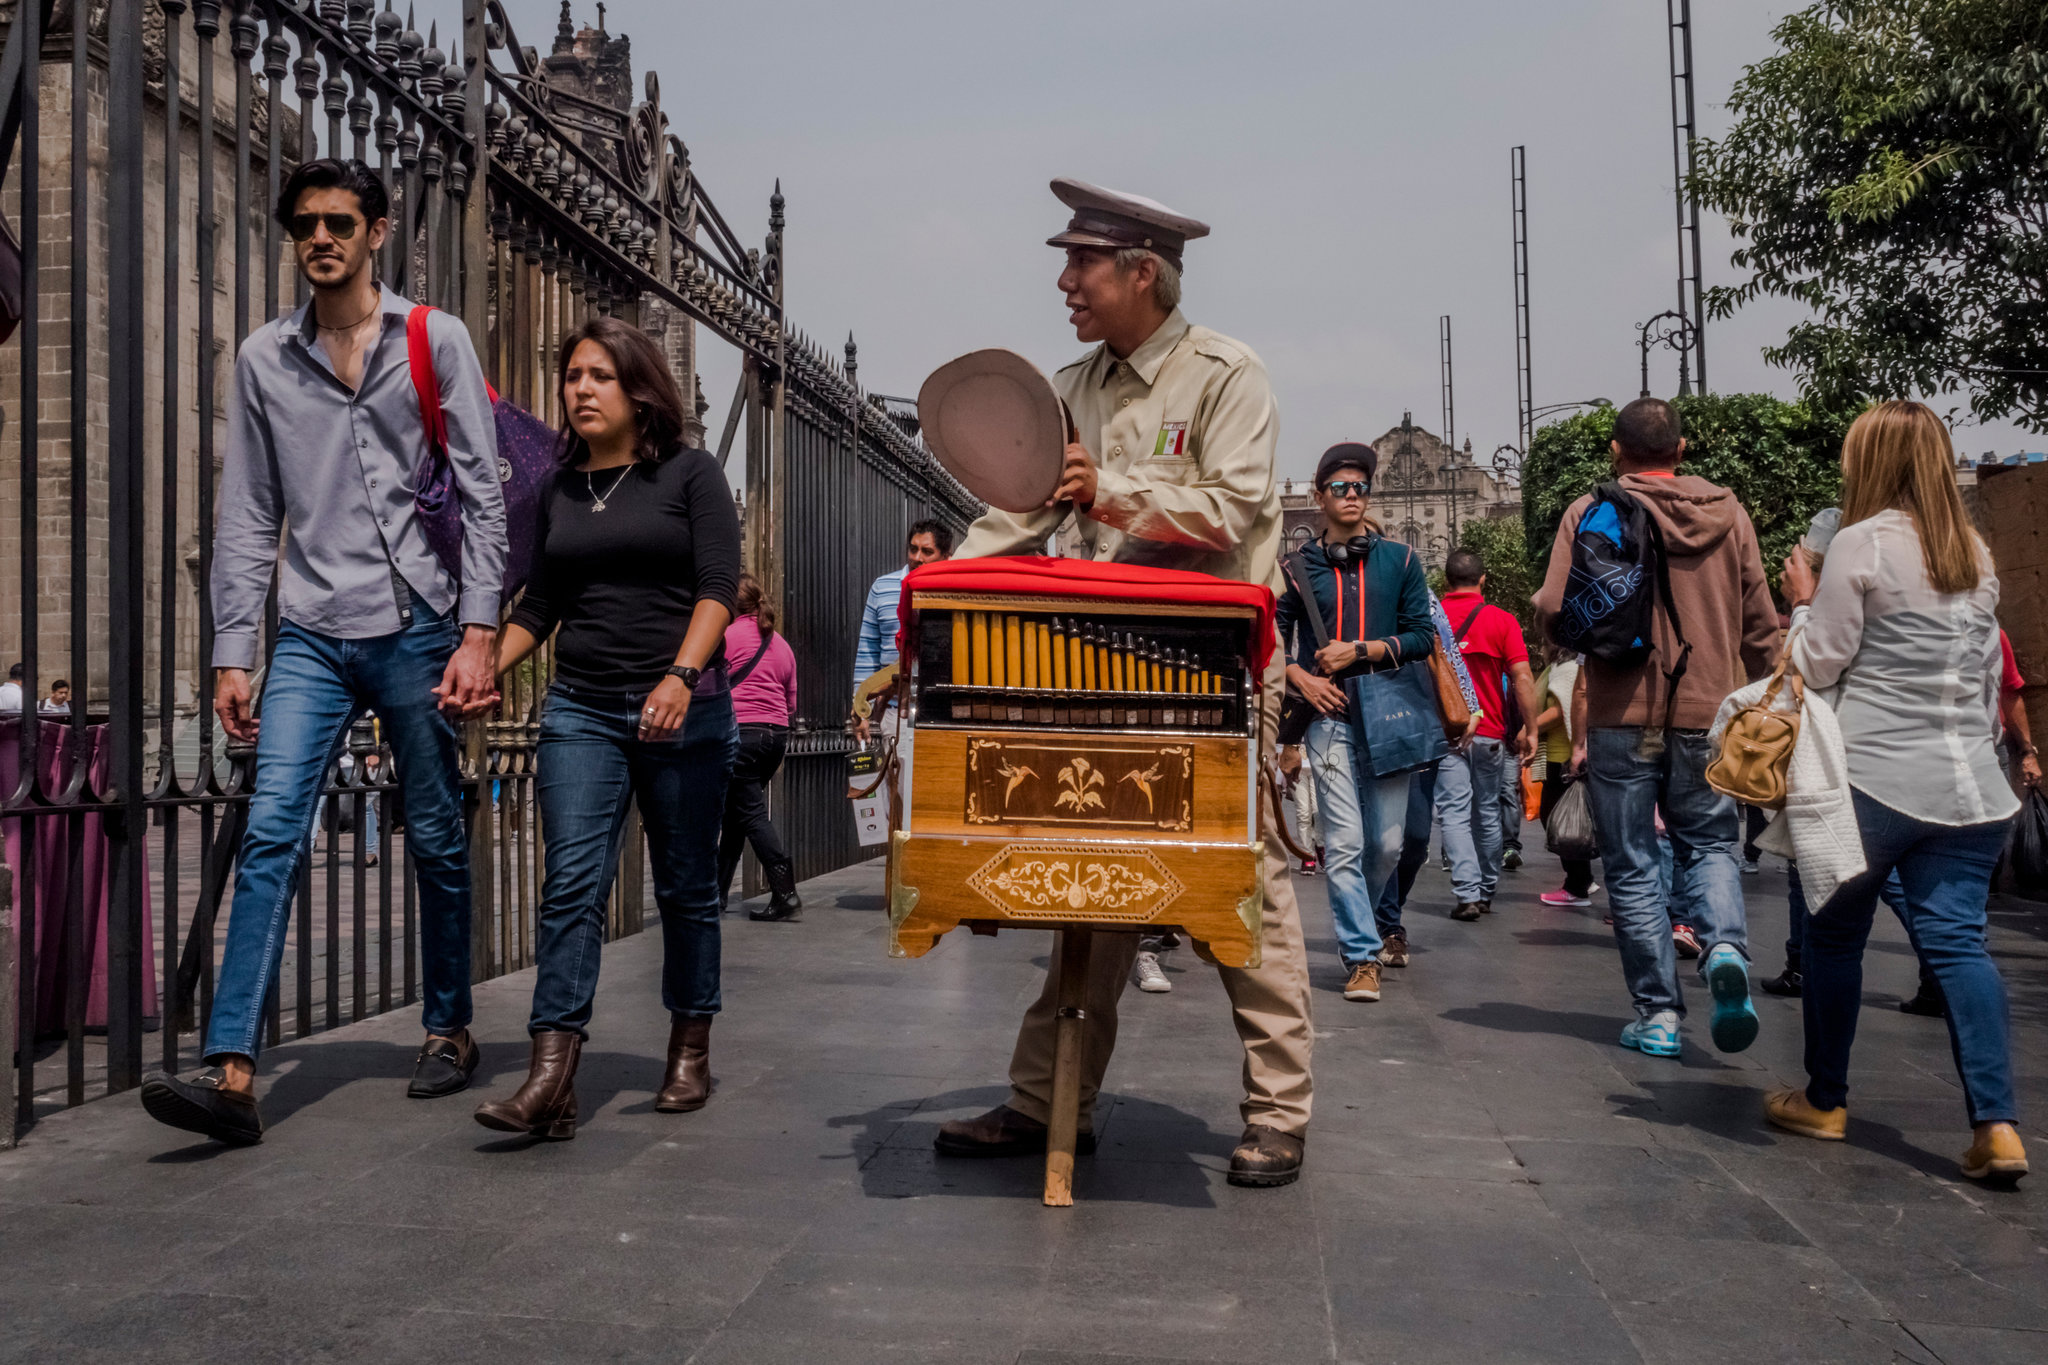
{"x": 1673, "y": 329}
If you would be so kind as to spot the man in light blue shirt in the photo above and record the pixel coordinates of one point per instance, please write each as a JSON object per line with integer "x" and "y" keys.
{"x": 326, "y": 446}
{"x": 930, "y": 541}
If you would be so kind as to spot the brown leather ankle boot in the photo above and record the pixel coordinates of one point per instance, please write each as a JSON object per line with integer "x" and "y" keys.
{"x": 688, "y": 1082}
{"x": 545, "y": 1105}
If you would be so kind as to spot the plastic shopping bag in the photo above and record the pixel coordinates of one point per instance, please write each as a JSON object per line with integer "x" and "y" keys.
{"x": 1569, "y": 831}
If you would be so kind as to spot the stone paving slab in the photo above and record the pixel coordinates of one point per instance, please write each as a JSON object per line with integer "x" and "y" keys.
{"x": 1490, "y": 1178}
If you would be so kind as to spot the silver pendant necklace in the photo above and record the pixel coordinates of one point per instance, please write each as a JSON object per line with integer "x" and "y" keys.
{"x": 596, "y": 502}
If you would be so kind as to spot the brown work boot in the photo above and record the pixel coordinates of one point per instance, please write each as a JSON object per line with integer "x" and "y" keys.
{"x": 1364, "y": 983}
{"x": 1002, "y": 1131}
{"x": 545, "y": 1105}
{"x": 1468, "y": 911}
{"x": 688, "y": 1083}
{"x": 1997, "y": 1155}
{"x": 1394, "y": 952}
{"x": 1792, "y": 1111}
{"x": 1266, "y": 1157}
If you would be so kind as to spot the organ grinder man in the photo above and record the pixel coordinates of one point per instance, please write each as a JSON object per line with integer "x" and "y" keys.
{"x": 1173, "y": 468}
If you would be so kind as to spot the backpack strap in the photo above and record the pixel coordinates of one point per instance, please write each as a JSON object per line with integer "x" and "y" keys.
{"x": 1291, "y": 565}
{"x": 1676, "y": 672}
{"x": 419, "y": 355}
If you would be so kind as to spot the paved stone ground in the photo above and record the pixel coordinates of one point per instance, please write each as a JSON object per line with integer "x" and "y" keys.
{"x": 1490, "y": 1179}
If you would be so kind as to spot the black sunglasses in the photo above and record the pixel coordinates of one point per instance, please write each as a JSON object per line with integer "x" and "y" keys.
{"x": 1344, "y": 488}
{"x": 340, "y": 226}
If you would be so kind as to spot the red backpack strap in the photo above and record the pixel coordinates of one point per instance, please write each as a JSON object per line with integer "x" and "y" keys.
{"x": 419, "y": 353}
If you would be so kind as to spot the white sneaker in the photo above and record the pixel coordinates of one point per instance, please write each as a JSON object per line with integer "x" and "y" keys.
{"x": 1148, "y": 975}
{"x": 1750, "y": 869}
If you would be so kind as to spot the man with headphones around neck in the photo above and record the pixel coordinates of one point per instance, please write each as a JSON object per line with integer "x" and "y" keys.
{"x": 1376, "y": 611}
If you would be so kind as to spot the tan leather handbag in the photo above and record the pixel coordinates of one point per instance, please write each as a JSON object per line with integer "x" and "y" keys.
{"x": 1756, "y": 748}
{"x": 1450, "y": 698}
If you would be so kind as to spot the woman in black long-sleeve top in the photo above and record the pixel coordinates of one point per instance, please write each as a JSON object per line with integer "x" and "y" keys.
{"x": 639, "y": 558}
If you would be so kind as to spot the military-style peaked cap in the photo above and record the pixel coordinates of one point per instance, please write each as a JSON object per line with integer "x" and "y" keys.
{"x": 1113, "y": 220}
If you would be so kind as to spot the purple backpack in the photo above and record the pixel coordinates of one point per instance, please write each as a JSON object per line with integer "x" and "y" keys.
{"x": 526, "y": 468}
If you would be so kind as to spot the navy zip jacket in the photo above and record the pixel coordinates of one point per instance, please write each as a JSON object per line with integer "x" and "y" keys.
{"x": 1396, "y": 605}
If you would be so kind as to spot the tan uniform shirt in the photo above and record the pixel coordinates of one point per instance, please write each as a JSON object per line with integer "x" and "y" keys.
{"x": 1184, "y": 434}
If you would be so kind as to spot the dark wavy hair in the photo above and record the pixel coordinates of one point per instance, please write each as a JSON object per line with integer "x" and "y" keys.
{"x": 644, "y": 375}
{"x": 330, "y": 173}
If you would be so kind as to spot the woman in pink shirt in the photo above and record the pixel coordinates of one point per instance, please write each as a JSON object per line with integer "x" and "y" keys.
{"x": 762, "y": 670}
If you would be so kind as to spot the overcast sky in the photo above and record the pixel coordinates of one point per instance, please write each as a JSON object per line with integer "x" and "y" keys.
{"x": 1352, "y": 159}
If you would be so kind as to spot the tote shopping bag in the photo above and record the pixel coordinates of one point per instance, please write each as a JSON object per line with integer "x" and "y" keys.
{"x": 1395, "y": 726}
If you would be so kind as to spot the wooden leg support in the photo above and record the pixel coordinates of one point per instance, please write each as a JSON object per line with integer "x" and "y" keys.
{"x": 1075, "y": 947}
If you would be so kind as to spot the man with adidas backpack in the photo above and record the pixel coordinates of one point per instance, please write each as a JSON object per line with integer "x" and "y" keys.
{"x": 1657, "y": 580}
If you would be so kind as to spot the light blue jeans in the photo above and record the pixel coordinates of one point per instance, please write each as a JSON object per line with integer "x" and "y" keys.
{"x": 1468, "y": 804}
{"x": 1626, "y": 790}
{"x": 317, "y": 686}
{"x": 1362, "y": 818}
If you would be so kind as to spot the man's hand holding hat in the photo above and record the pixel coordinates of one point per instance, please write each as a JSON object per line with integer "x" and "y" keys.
{"x": 1077, "y": 479}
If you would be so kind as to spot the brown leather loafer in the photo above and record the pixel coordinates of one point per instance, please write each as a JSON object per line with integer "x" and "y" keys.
{"x": 1468, "y": 911}
{"x": 1266, "y": 1157}
{"x": 687, "y": 1085}
{"x": 545, "y": 1105}
{"x": 1002, "y": 1131}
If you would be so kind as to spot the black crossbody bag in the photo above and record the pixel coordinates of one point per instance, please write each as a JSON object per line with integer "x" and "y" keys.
{"x": 1297, "y": 712}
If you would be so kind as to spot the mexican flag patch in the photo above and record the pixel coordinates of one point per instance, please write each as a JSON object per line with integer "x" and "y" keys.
{"x": 1173, "y": 439}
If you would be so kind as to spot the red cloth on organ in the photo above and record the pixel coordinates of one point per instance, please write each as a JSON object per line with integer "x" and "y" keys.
{"x": 1040, "y": 576}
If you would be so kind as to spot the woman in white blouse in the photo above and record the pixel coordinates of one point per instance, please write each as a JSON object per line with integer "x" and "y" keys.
{"x": 1902, "y": 625}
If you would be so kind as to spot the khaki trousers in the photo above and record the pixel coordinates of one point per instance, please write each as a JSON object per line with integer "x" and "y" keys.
{"x": 1269, "y": 1003}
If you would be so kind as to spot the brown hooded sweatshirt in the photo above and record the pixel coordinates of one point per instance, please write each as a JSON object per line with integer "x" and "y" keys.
{"x": 1724, "y": 604}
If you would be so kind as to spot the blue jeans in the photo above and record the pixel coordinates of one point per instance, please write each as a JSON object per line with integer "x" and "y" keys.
{"x": 1514, "y": 807}
{"x": 316, "y": 687}
{"x": 1626, "y": 790}
{"x": 591, "y": 764}
{"x": 1892, "y": 894}
{"x": 1362, "y": 818}
{"x": 1468, "y": 803}
{"x": 1945, "y": 872}
{"x": 1386, "y": 912}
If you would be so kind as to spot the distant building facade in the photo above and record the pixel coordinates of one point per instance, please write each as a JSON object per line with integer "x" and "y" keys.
{"x": 1423, "y": 492}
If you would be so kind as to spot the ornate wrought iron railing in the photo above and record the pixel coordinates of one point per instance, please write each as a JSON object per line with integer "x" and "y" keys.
{"x": 142, "y": 151}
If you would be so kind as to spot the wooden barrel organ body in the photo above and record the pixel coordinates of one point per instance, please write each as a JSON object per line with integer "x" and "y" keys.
{"x": 1079, "y": 763}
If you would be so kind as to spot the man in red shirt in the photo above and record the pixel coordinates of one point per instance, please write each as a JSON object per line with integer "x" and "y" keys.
{"x": 1468, "y": 781}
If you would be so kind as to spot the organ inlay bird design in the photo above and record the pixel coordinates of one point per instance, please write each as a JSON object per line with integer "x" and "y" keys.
{"x": 1016, "y": 773}
{"x": 1143, "y": 781}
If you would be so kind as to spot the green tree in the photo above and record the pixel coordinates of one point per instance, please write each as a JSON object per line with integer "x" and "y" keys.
{"x": 1784, "y": 461}
{"x": 1887, "y": 169}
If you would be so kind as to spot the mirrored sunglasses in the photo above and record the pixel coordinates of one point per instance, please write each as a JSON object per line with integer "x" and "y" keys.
{"x": 1344, "y": 488}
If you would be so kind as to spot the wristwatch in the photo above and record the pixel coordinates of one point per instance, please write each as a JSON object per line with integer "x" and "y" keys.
{"x": 687, "y": 674}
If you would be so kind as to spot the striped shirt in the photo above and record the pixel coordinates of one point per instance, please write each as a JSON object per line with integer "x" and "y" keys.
{"x": 877, "y": 647}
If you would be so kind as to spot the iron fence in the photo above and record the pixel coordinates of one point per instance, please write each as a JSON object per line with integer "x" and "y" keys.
{"x": 143, "y": 142}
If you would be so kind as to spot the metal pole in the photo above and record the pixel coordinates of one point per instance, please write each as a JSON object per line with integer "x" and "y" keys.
{"x": 1450, "y": 405}
{"x": 1684, "y": 164}
{"x": 1525, "y": 401}
{"x": 476, "y": 226}
{"x": 126, "y": 495}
